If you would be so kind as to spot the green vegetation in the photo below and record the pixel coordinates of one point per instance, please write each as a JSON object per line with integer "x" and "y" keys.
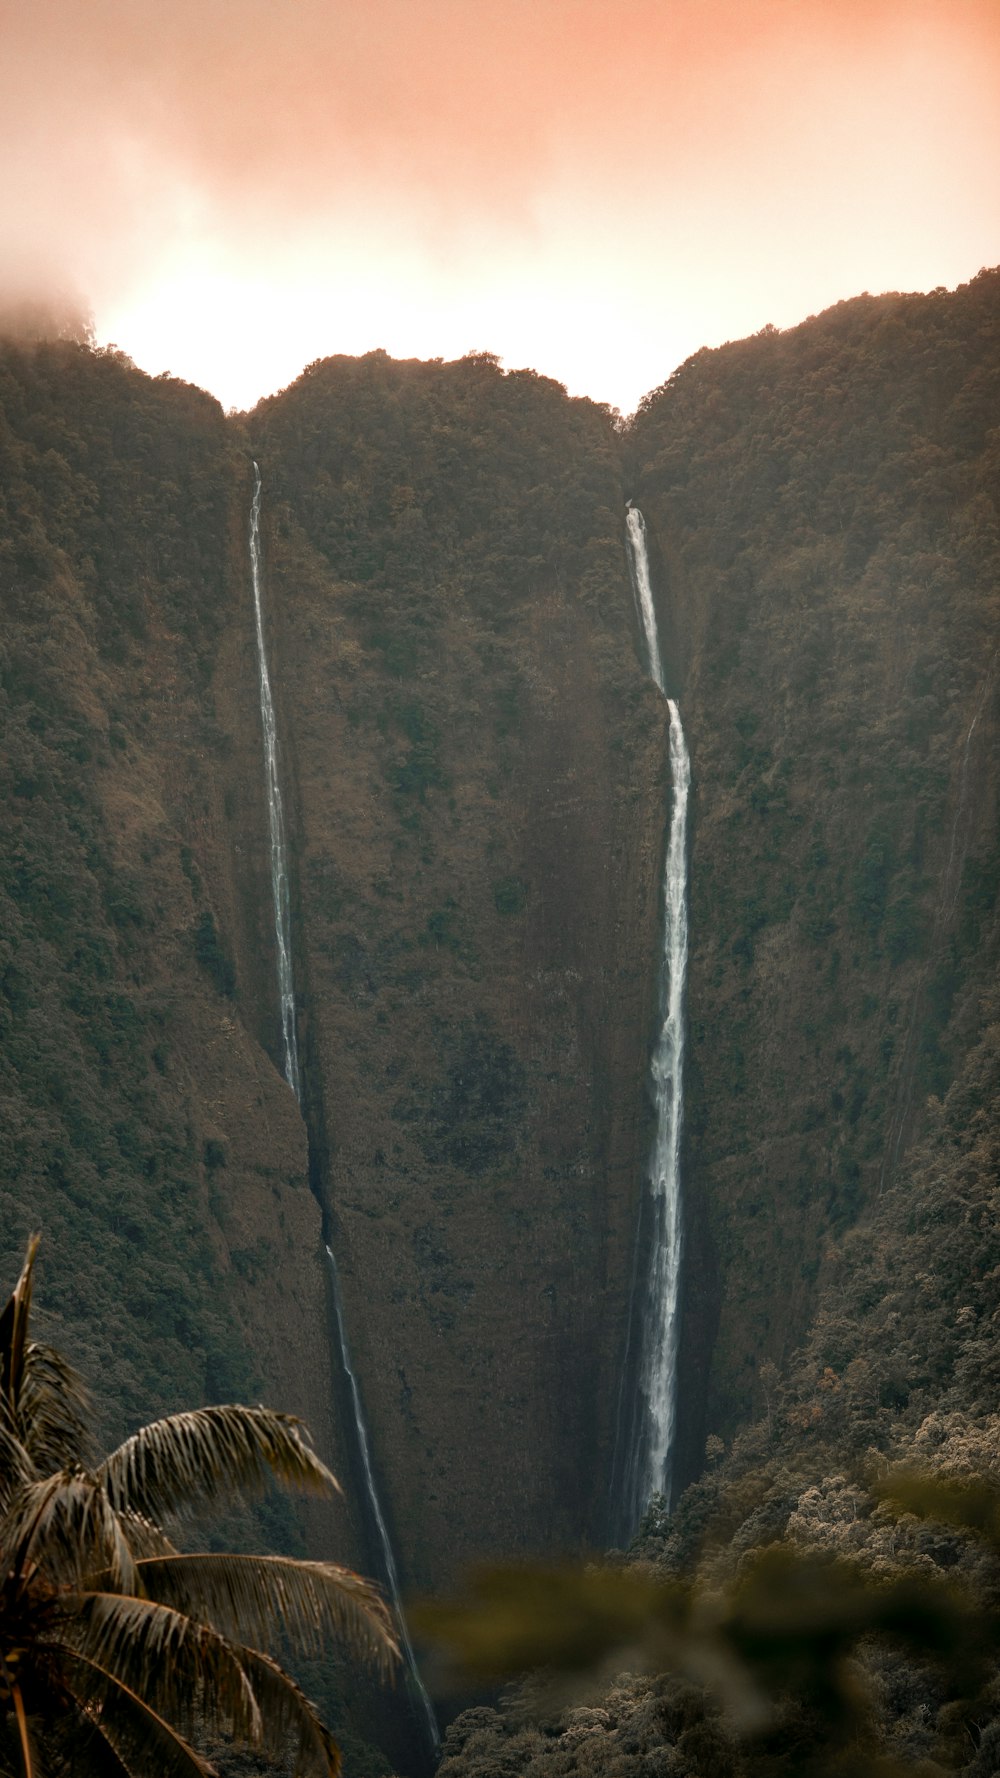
{"x": 802, "y": 1661}
{"x": 115, "y": 1647}
{"x": 476, "y": 773}
{"x": 825, "y": 1599}
{"x": 825, "y": 503}
{"x": 115, "y": 497}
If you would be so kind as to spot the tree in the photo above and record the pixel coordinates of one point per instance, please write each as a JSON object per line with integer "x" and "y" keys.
{"x": 115, "y": 1647}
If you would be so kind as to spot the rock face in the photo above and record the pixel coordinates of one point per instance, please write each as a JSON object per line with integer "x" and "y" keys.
{"x": 826, "y": 512}
{"x": 479, "y": 778}
{"x": 146, "y": 1130}
{"x": 476, "y": 777}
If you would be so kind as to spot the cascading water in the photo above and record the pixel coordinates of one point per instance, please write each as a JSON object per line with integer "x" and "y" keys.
{"x": 644, "y": 1465}
{"x": 275, "y": 815}
{"x": 286, "y": 991}
{"x": 419, "y": 1690}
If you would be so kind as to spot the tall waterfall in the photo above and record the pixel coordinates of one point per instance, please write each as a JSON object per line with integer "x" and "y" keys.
{"x": 286, "y": 991}
{"x": 645, "y": 1460}
{"x": 275, "y": 816}
{"x": 419, "y": 1690}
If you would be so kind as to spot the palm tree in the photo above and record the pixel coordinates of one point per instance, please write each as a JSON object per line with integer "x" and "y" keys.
{"x": 115, "y": 1648}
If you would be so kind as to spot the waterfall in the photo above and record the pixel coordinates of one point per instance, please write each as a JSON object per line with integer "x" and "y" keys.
{"x": 286, "y": 991}
{"x": 645, "y": 1462}
{"x": 638, "y": 561}
{"x": 419, "y": 1690}
{"x": 275, "y": 816}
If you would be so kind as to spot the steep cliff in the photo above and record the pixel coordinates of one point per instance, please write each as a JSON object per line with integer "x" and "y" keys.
{"x": 480, "y": 780}
{"x": 476, "y": 776}
{"x": 826, "y": 509}
{"x": 825, "y": 506}
{"x": 145, "y": 1129}
{"x": 475, "y": 772}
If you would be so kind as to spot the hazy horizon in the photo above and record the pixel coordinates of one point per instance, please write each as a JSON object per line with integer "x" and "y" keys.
{"x": 235, "y": 191}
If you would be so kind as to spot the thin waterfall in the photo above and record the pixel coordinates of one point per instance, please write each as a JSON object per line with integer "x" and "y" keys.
{"x": 275, "y": 816}
{"x": 419, "y": 1690}
{"x": 645, "y": 1461}
{"x": 286, "y": 991}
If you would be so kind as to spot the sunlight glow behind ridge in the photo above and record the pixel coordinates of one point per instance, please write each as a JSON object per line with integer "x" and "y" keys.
{"x": 240, "y": 192}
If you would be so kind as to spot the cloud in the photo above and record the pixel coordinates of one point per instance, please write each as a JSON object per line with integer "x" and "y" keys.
{"x": 444, "y": 145}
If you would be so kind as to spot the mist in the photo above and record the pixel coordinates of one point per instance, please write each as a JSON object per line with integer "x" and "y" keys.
{"x": 433, "y": 177}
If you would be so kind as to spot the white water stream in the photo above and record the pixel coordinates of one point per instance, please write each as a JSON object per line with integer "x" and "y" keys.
{"x": 275, "y": 816}
{"x": 286, "y": 990}
{"x": 648, "y": 1462}
{"x": 388, "y": 1559}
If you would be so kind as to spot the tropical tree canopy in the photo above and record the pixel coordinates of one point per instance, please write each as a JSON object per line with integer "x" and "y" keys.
{"x": 115, "y": 1647}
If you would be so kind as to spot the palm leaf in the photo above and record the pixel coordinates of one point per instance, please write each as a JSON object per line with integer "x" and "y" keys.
{"x": 183, "y": 1669}
{"x": 262, "y": 1598}
{"x": 85, "y": 1751}
{"x": 290, "y": 1722}
{"x": 42, "y": 1400}
{"x": 194, "y": 1459}
{"x": 191, "y": 1676}
{"x": 66, "y": 1526}
{"x": 139, "y": 1737}
{"x": 15, "y": 1468}
{"x": 14, "y": 1331}
{"x": 53, "y": 1409}
{"x": 144, "y": 1538}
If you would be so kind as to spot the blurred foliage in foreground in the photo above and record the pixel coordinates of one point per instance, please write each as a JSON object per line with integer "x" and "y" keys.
{"x": 795, "y": 1665}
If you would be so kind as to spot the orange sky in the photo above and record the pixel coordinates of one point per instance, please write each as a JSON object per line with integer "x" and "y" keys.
{"x": 592, "y": 188}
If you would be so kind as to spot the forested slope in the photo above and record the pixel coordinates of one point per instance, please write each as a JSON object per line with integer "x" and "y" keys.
{"x": 825, "y": 503}
{"x": 144, "y": 1128}
{"x": 475, "y": 775}
{"x": 480, "y": 773}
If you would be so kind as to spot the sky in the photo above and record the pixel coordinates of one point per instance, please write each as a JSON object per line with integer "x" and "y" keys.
{"x": 591, "y": 188}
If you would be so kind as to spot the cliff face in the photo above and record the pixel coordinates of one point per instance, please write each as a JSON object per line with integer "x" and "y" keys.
{"x": 145, "y": 1129}
{"x": 476, "y": 776}
{"x": 825, "y": 508}
{"x": 475, "y": 771}
{"x": 825, "y": 504}
{"x": 479, "y": 775}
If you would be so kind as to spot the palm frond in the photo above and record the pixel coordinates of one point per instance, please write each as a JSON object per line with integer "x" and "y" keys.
{"x": 290, "y": 1721}
{"x": 53, "y": 1410}
{"x": 260, "y": 1598}
{"x": 15, "y": 1468}
{"x": 14, "y": 1321}
{"x": 182, "y": 1668}
{"x": 145, "y": 1538}
{"x": 139, "y": 1737}
{"x": 194, "y": 1459}
{"x": 81, "y": 1749}
{"x": 192, "y": 1677}
{"x": 67, "y": 1527}
{"x": 42, "y": 1400}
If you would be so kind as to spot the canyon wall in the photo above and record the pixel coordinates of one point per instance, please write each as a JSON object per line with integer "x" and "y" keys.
{"x": 825, "y": 507}
{"x": 146, "y": 1131}
{"x": 480, "y": 783}
{"x": 477, "y": 786}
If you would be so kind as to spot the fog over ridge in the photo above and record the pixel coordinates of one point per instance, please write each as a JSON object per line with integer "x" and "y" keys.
{"x": 422, "y": 174}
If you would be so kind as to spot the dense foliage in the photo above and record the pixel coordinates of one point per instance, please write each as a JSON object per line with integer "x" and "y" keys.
{"x": 825, "y": 506}
{"x": 475, "y": 776}
{"x": 479, "y": 779}
{"x": 114, "y": 503}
